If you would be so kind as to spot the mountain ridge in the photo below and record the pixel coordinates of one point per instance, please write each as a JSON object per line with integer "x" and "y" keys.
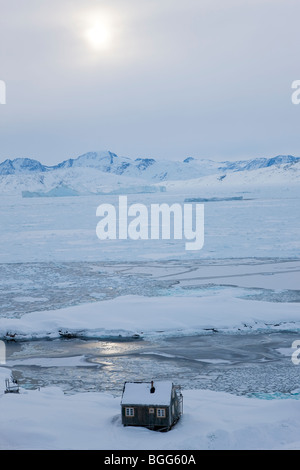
{"x": 106, "y": 173}
{"x": 159, "y": 170}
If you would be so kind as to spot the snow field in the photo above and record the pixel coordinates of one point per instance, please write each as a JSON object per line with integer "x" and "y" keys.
{"x": 48, "y": 419}
{"x": 130, "y": 315}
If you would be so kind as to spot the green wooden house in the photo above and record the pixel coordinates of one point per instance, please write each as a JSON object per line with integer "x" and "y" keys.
{"x": 155, "y": 405}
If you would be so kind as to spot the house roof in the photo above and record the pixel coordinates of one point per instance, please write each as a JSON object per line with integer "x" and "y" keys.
{"x": 138, "y": 393}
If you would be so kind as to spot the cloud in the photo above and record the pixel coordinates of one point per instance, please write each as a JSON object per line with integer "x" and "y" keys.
{"x": 209, "y": 78}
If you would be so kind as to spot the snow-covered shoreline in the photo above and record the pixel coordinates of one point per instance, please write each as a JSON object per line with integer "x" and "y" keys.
{"x": 47, "y": 419}
{"x": 150, "y": 316}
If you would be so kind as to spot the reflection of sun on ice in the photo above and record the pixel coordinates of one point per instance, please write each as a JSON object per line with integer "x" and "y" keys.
{"x": 99, "y": 35}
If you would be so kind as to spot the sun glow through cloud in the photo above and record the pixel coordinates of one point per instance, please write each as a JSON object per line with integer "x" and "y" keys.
{"x": 99, "y": 35}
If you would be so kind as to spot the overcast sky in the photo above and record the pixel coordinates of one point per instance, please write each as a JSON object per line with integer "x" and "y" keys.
{"x": 149, "y": 78}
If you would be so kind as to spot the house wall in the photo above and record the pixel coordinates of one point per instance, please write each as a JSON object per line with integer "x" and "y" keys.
{"x": 142, "y": 417}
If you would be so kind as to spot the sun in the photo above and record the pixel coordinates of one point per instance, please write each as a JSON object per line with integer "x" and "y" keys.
{"x": 99, "y": 35}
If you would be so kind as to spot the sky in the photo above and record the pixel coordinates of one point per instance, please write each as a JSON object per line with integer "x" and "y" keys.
{"x": 166, "y": 79}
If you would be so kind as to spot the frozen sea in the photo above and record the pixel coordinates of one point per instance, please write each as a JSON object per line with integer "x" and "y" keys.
{"x": 64, "y": 229}
{"x": 51, "y": 259}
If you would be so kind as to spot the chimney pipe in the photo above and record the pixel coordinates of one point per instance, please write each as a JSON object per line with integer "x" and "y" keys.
{"x": 152, "y": 389}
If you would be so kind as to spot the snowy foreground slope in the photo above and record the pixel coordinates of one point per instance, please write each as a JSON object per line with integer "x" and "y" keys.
{"x": 48, "y": 419}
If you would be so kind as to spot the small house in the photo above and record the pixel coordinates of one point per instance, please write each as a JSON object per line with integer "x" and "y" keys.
{"x": 11, "y": 386}
{"x": 155, "y": 405}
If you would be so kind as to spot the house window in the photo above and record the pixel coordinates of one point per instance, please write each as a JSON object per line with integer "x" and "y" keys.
{"x": 161, "y": 412}
{"x": 151, "y": 410}
{"x": 129, "y": 411}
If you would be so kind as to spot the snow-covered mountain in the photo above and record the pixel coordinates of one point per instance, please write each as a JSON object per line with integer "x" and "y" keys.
{"x": 21, "y": 166}
{"x": 98, "y": 172}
